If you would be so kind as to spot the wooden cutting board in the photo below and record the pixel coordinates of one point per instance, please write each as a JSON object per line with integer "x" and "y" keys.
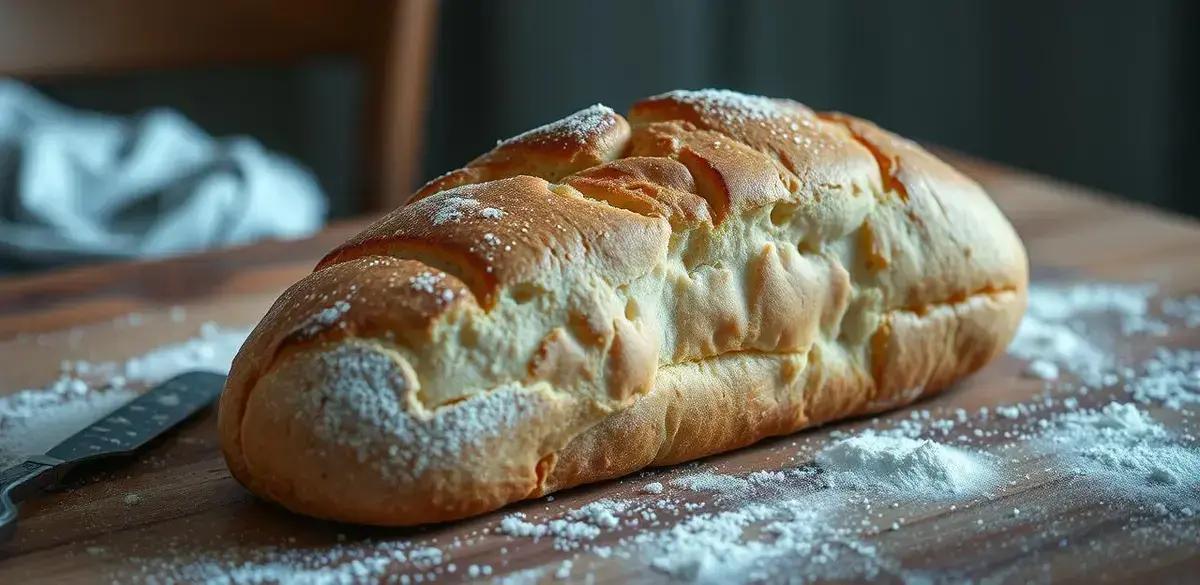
{"x": 175, "y": 515}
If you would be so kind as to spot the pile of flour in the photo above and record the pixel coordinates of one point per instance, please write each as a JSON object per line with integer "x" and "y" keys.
{"x": 919, "y": 467}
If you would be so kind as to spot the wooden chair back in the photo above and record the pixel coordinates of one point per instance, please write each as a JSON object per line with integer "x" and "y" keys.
{"x": 392, "y": 39}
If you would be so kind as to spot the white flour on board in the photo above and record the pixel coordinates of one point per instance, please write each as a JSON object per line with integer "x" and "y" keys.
{"x": 33, "y": 420}
{"x": 767, "y": 524}
{"x": 1117, "y": 449}
{"x": 1186, "y": 309}
{"x": 715, "y": 547}
{"x": 1171, "y": 377}
{"x": 1051, "y": 332}
{"x": 365, "y": 562}
{"x": 1053, "y": 339}
{"x": 919, "y": 467}
{"x": 1125, "y": 452}
{"x": 714, "y": 483}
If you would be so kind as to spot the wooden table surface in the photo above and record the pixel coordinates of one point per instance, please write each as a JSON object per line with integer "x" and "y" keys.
{"x": 190, "y": 508}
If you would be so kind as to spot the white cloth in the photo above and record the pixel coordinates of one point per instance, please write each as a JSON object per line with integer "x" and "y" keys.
{"x": 77, "y": 186}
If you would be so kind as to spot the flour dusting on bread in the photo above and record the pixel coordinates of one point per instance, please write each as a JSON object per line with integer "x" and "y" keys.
{"x": 491, "y": 213}
{"x": 727, "y": 104}
{"x": 325, "y": 318}
{"x": 426, "y": 281}
{"x": 453, "y": 209}
{"x": 366, "y": 406}
{"x": 578, "y": 127}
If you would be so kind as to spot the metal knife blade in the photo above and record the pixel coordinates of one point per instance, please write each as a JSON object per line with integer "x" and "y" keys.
{"x": 143, "y": 418}
{"x": 121, "y": 432}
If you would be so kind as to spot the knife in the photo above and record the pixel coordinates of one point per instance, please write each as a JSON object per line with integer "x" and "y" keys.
{"x": 122, "y": 432}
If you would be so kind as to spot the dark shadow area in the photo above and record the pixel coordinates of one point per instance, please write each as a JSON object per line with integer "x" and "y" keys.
{"x": 1103, "y": 94}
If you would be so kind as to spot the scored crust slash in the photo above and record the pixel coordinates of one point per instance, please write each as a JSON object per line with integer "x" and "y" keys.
{"x": 608, "y": 293}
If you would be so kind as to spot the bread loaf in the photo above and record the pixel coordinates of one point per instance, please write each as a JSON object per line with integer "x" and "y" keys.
{"x": 604, "y": 294}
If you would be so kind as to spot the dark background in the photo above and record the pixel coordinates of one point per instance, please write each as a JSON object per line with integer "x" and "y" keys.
{"x": 1101, "y": 93}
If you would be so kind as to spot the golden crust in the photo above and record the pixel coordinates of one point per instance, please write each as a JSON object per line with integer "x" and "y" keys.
{"x": 580, "y": 141}
{"x": 599, "y": 295}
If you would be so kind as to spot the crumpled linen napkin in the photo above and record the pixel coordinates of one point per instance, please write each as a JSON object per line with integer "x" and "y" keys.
{"x": 78, "y": 186}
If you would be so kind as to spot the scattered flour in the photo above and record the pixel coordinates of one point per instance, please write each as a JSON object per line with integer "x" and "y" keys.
{"x": 1062, "y": 303}
{"x": 714, "y": 483}
{"x": 578, "y": 525}
{"x": 213, "y": 350}
{"x": 711, "y": 547}
{"x": 602, "y": 513}
{"x": 34, "y": 420}
{"x": 1059, "y": 344}
{"x": 1145, "y": 465}
{"x": 476, "y": 571}
{"x": 793, "y": 540}
{"x": 1051, "y": 331}
{"x": 1186, "y": 309}
{"x": 778, "y": 533}
{"x": 531, "y": 576}
{"x": 1170, "y": 378}
{"x": 337, "y": 564}
{"x": 1042, "y": 370}
{"x": 1114, "y": 421}
{"x": 1053, "y": 338}
{"x": 564, "y": 570}
{"x": 922, "y": 468}
{"x": 1120, "y": 449}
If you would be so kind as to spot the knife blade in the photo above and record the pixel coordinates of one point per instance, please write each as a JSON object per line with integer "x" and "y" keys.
{"x": 121, "y": 432}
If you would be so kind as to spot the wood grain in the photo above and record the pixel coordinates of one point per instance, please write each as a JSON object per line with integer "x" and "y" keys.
{"x": 190, "y": 508}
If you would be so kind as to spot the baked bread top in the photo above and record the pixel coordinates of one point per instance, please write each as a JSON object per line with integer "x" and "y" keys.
{"x": 517, "y": 301}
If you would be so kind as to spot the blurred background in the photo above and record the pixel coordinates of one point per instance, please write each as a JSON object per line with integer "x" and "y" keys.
{"x": 371, "y": 98}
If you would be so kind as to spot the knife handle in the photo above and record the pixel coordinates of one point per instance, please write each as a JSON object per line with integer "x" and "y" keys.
{"x": 20, "y": 480}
